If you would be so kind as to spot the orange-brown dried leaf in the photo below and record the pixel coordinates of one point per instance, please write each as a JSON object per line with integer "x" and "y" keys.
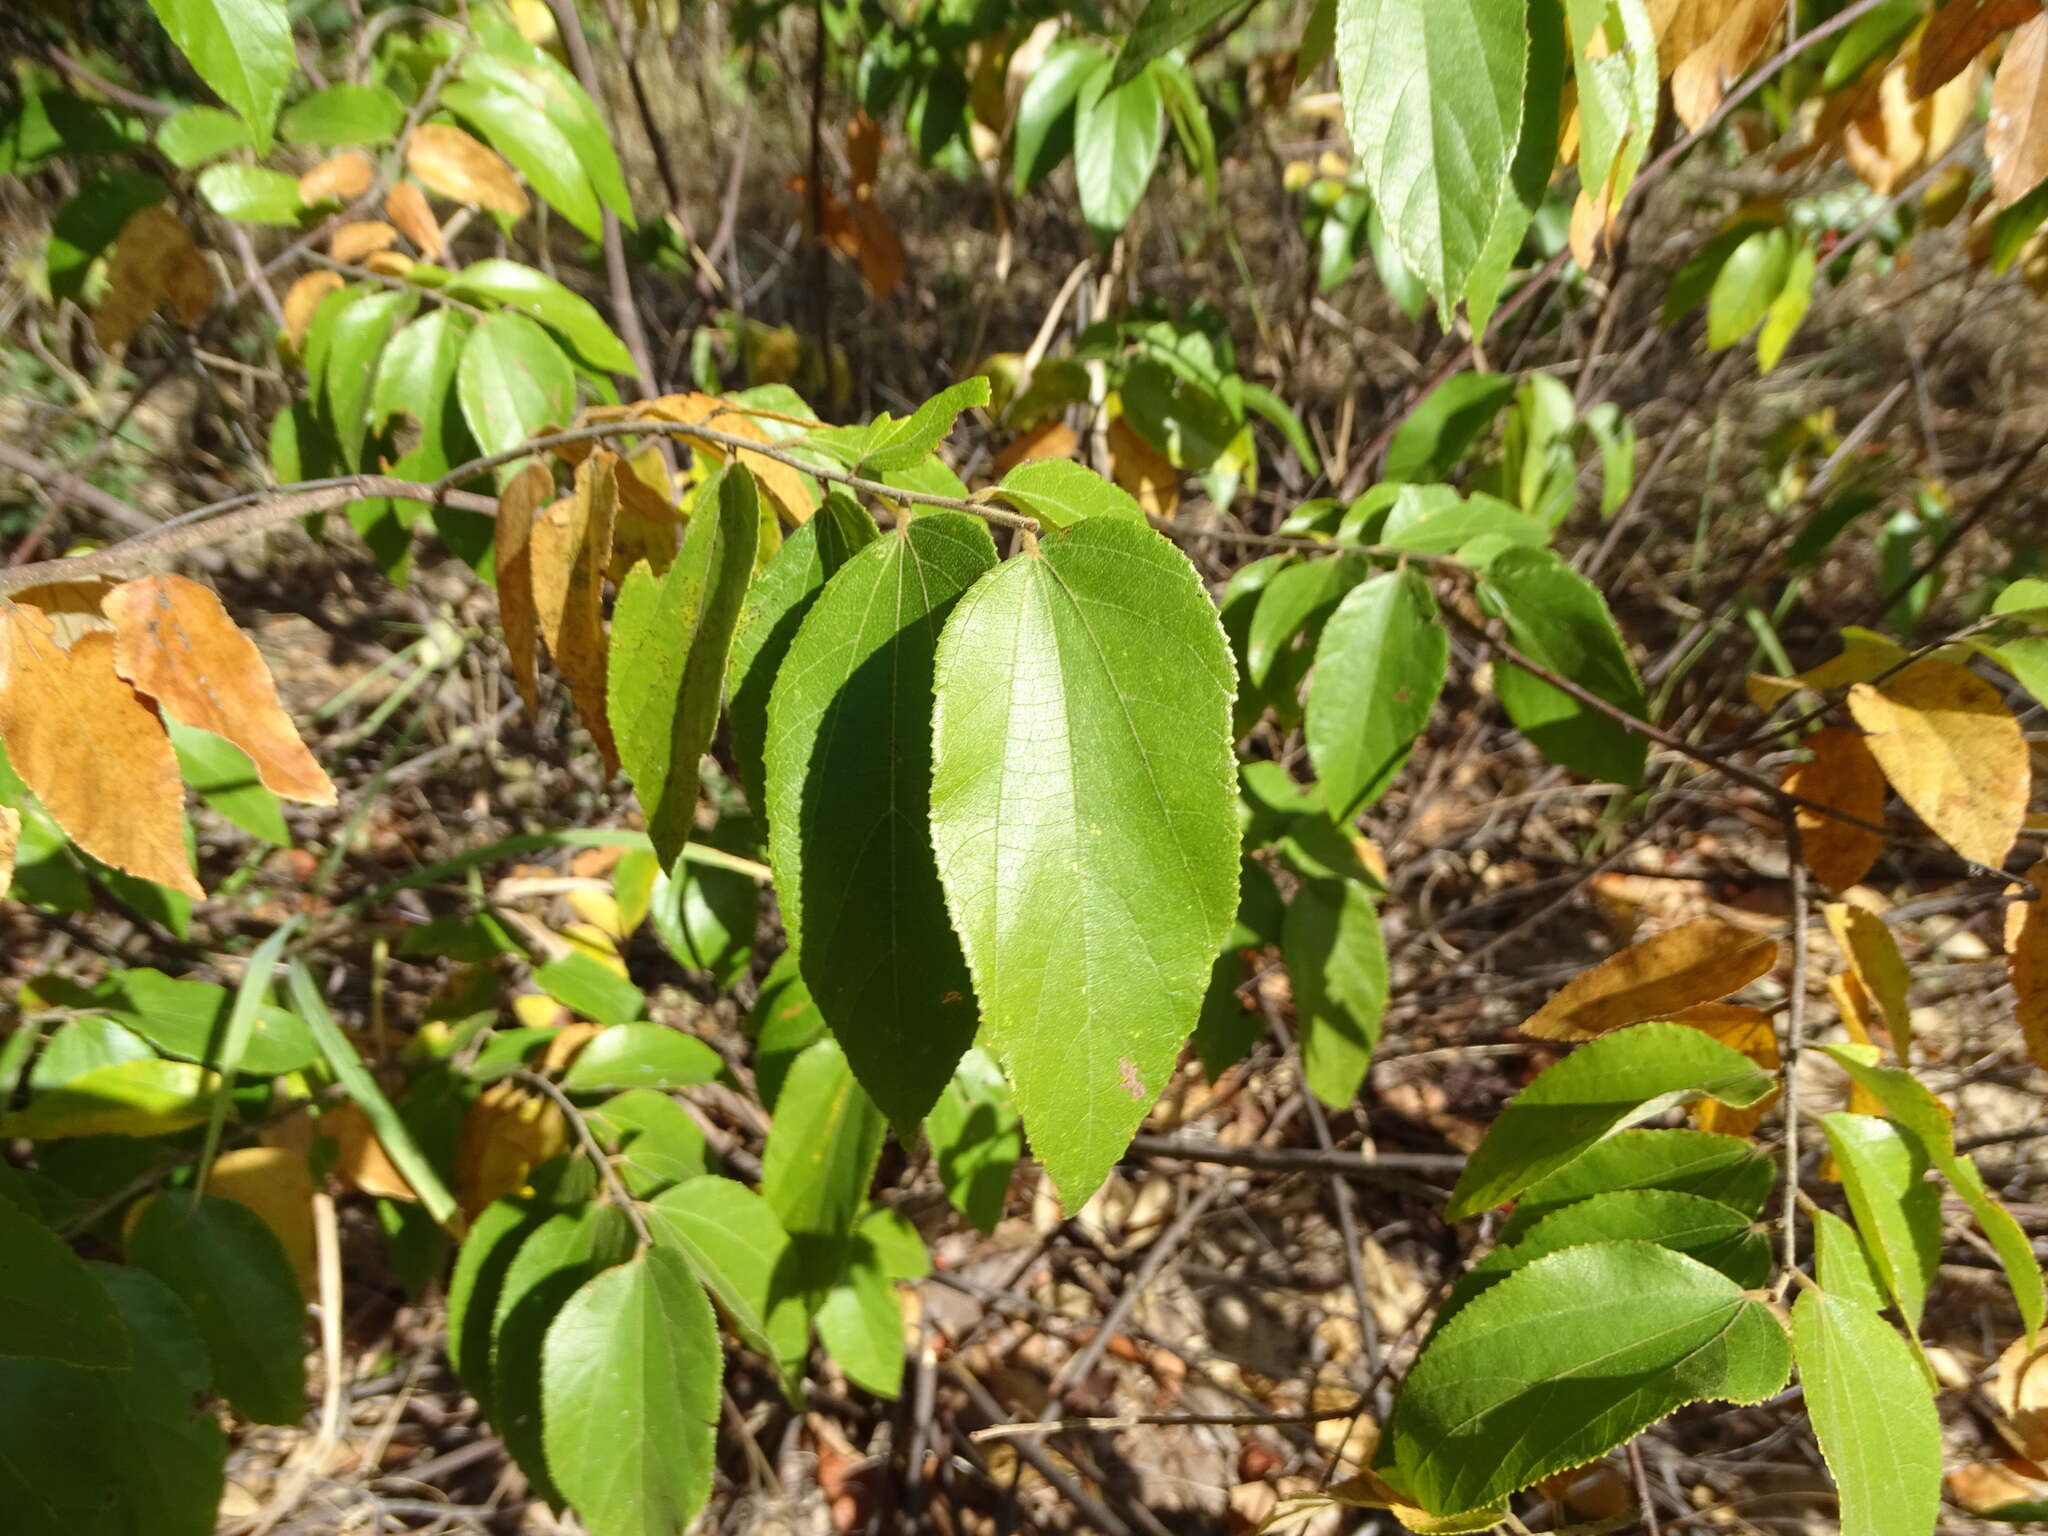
{"x": 190, "y": 286}
{"x": 10, "y": 839}
{"x": 175, "y": 642}
{"x": 278, "y": 1187}
{"x": 1985, "y": 1488}
{"x": 1873, "y": 958}
{"x": 1957, "y": 32}
{"x": 138, "y": 273}
{"x": 648, "y": 527}
{"x": 72, "y": 607}
{"x": 2016, "y": 136}
{"x": 1143, "y": 470}
{"x": 518, "y": 504}
{"x": 864, "y": 141}
{"x": 2026, "y": 964}
{"x": 1954, "y": 753}
{"x": 342, "y": 178}
{"x": 406, "y": 206}
{"x": 352, "y": 242}
{"x": 302, "y": 301}
{"x": 1048, "y": 440}
{"x": 1701, "y": 77}
{"x": 1844, "y": 777}
{"x": 509, "y": 1131}
{"x": 360, "y": 1161}
{"x": 92, "y": 750}
{"x": 1886, "y": 143}
{"x": 2021, "y": 1392}
{"x": 570, "y": 548}
{"x": 464, "y": 170}
{"x": 1743, "y": 1029}
{"x": 1697, "y": 962}
{"x": 389, "y": 263}
{"x": 783, "y": 484}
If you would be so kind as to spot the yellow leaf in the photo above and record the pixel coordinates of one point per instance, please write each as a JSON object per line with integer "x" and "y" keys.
{"x": 568, "y": 1043}
{"x": 1953, "y": 752}
{"x": 390, "y": 263}
{"x": 352, "y": 242}
{"x": 458, "y": 167}
{"x": 648, "y": 526}
{"x": 1142, "y": 470}
{"x": 1702, "y": 76}
{"x": 783, "y": 484}
{"x": 92, "y": 749}
{"x": 1743, "y": 1029}
{"x": 175, "y": 642}
{"x": 360, "y": 1161}
{"x": 406, "y": 206}
{"x": 2026, "y": 964}
{"x": 72, "y": 607}
{"x": 1845, "y": 777}
{"x": 302, "y": 301}
{"x": 153, "y": 260}
{"x": 2016, "y": 137}
{"x": 1885, "y": 142}
{"x": 341, "y": 178}
{"x": 278, "y": 1187}
{"x": 1873, "y": 958}
{"x": 513, "y": 565}
{"x": 10, "y": 838}
{"x": 1958, "y": 32}
{"x": 1865, "y": 655}
{"x": 571, "y": 547}
{"x": 600, "y": 909}
{"x": 2021, "y": 1393}
{"x": 1696, "y": 962}
{"x": 508, "y": 1132}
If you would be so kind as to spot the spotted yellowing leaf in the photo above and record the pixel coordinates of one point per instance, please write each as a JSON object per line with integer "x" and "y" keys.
{"x": 1697, "y": 962}
{"x": 1873, "y": 958}
{"x": 462, "y": 169}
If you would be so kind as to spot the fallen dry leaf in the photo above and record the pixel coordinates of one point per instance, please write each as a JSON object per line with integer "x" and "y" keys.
{"x": 277, "y": 1186}
{"x": 154, "y": 259}
{"x": 1743, "y": 1029}
{"x": 1845, "y": 777}
{"x": 1985, "y": 1488}
{"x": 92, "y": 749}
{"x": 1701, "y": 78}
{"x": 508, "y": 1132}
{"x": 570, "y": 548}
{"x": 360, "y": 1161}
{"x": 302, "y": 302}
{"x": 341, "y": 178}
{"x": 2026, "y": 964}
{"x": 1142, "y": 470}
{"x": 462, "y": 169}
{"x": 2016, "y": 136}
{"x": 1873, "y": 958}
{"x": 1696, "y": 962}
{"x": 175, "y": 642}
{"x": 1960, "y": 30}
{"x": 518, "y": 504}
{"x": 352, "y": 242}
{"x": 1953, "y": 752}
{"x": 406, "y": 206}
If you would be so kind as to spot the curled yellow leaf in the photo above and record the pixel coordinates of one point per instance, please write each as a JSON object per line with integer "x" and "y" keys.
{"x": 464, "y": 170}
{"x": 1696, "y": 962}
{"x": 352, "y": 242}
{"x": 406, "y": 206}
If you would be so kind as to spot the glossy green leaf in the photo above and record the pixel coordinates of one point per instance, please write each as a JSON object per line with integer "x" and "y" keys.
{"x": 901, "y": 444}
{"x": 737, "y": 1246}
{"x": 512, "y": 381}
{"x": 532, "y": 74}
{"x": 1338, "y": 965}
{"x": 1873, "y": 1413}
{"x": 533, "y": 143}
{"x": 1083, "y": 816}
{"x": 344, "y": 114}
{"x": 849, "y": 758}
{"x": 1746, "y": 286}
{"x": 630, "y": 1394}
{"x": 1059, "y": 493}
{"x": 1883, "y": 1169}
{"x": 976, "y": 1139}
{"x": 1566, "y": 1359}
{"x": 1843, "y": 1263}
{"x": 251, "y": 194}
{"x": 130, "y": 1098}
{"x": 1435, "y": 520}
{"x": 1534, "y": 162}
{"x": 1116, "y": 145}
{"x": 820, "y": 1157}
{"x": 198, "y": 134}
{"x": 1617, "y": 91}
{"x": 785, "y": 1021}
{"x": 51, "y": 1307}
{"x": 1288, "y": 622}
{"x": 241, "y": 48}
{"x": 1725, "y": 1169}
{"x": 654, "y": 1141}
{"x": 589, "y": 988}
{"x": 355, "y": 346}
{"x": 705, "y": 917}
{"x": 1380, "y": 668}
{"x": 1558, "y": 620}
{"x": 861, "y": 1326}
{"x": 1788, "y": 309}
{"x": 485, "y": 1258}
{"x": 1605, "y": 1085}
{"x": 1437, "y": 146}
{"x": 1165, "y": 25}
{"x": 671, "y": 638}
{"x": 573, "y": 318}
{"x": 1045, "y": 112}
{"x": 226, "y": 780}
{"x": 642, "y": 1056}
{"x": 232, "y": 1274}
{"x": 1434, "y": 439}
{"x": 82, "y": 1046}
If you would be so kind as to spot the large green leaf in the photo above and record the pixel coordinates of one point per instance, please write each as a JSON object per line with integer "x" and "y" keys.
{"x": 733, "y": 1240}
{"x": 1380, "y": 666}
{"x": 197, "y": 134}
{"x": 128, "y": 1098}
{"x": 51, "y": 1308}
{"x": 894, "y": 445}
{"x": 1566, "y": 1359}
{"x": 242, "y": 48}
{"x": 1083, "y": 814}
{"x": 226, "y": 779}
{"x": 1873, "y": 1413}
{"x": 1163, "y": 26}
{"x": 671, "y": 636}
{"x": 1843, "y": 1264}
{"x": 590, "y": 989}
{"x": 1116, "y": 145}
{"x": 1433, "y": 99}
{"x": 344, "y": 114}
{"x": 190, "y": 1019}
{"x": 230, "y": 1270}
{"x": 1045, "y": 112}
{"x": 655, "y": 1141}
{"x": 630, "y": 1395}
{"x": 642, "y": 1056}
{"x": 1338, "y": 965}
{"x": 1435, "y": 437}
{"x": 1535, "y": 160}
{"x": 1725, "y": 1169}
{"x": 512, "y": 381}
{"x": 1883, "y": 1169}
{"x": 860, "y": 1324}
{"x": 354, "y": 348}
{"x": 251, "y": 194}
{"x": 1059, "y": 493}
{"x": 1617, "y": 91}
{"x": 976, "y": 1139}
{"x": 520, "y": 69}
{"x": 534, "y": 144}
{"x": 849, "y": 796}
{"x": 1746, "y": 286}
{"x": 820, "y": 1157}
{"x": 1606, "y": 1084}
{"x": 533, "y": 293}
{"x": 1558, "y": 620}
{"x": 82, "y": 1046}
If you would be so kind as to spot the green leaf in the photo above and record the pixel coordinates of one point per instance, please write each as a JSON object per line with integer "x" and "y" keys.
{"x": 861, "y": 1326}
{"x": 1605, "y": 1085}
{"x": 1747, "y": 286}
{"x": 49, "y": 122}
{"x": 1781, "y": 320}
{"x": 784, "y": 1022}
{"x": 1082, "y": 782}
{"x": 522, "y": 70}
{"x": 655, "y": 1141}
{"x": 1535, "y": 161}
{"x": 1045, "y": 112}
{"x": 51, "y": 1307}
{"x": 1288, "y": 622}
{"x": 344, "y": 114}
{"x": 1726, "y": 1169}
{"x": 190, "y": 1018}
{"x": 1568, "y": 1358}
{"x": 1116, "y": 145}
{"x": 820, "y": 1157}
{"x": 705, "y": 917}
{"x": 355, "y": 346}
{"x": 1189, "y": 115}
{"x": 1163, "y": 26}
{"x": 737, "y": 1246}
{"x": 227, "y": 1053}
{"x": 1873, "y": 1413}
{"x": 512, "y": 382}
{"x": 902, "y": 444}
{"x": 1433, "y": 99}
{"x": 1435, "y": 520}
{"x": 1883, "y": 1170}
{"x": 226, "y": 780}
{"x": 536, "y": 294}
{"x": 671, "y": 638}
{"x": 1446, "y": 422}
{"x": 1338, "y": 964}
{"x": 251, "y": 194}
{"x": 775, "y": 608}
{"x": 1844, "y": 1264}
{"x": 1558, "y": 619}
{"x": 82, "y": 1046}
{"x": 1059, "y": 493}
{"x": 630, "y": 1396}
{"x": 230, "y": 1270}
{"x": 198, "y": 134}
{"x": 849, "y": 782}
{"x": 642, "y": 1056}
{"x": 485, "y": 1258}
{"x": 242, "y": 48}
{"x": 1907, "y": 1101}
{"x": 1380, "y": 667}
{"x": 537, "y": 148}
{"x": 976, "y": 1139}
{"x": 1617, "y": 92}
{"x": 130, "y": 1098}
